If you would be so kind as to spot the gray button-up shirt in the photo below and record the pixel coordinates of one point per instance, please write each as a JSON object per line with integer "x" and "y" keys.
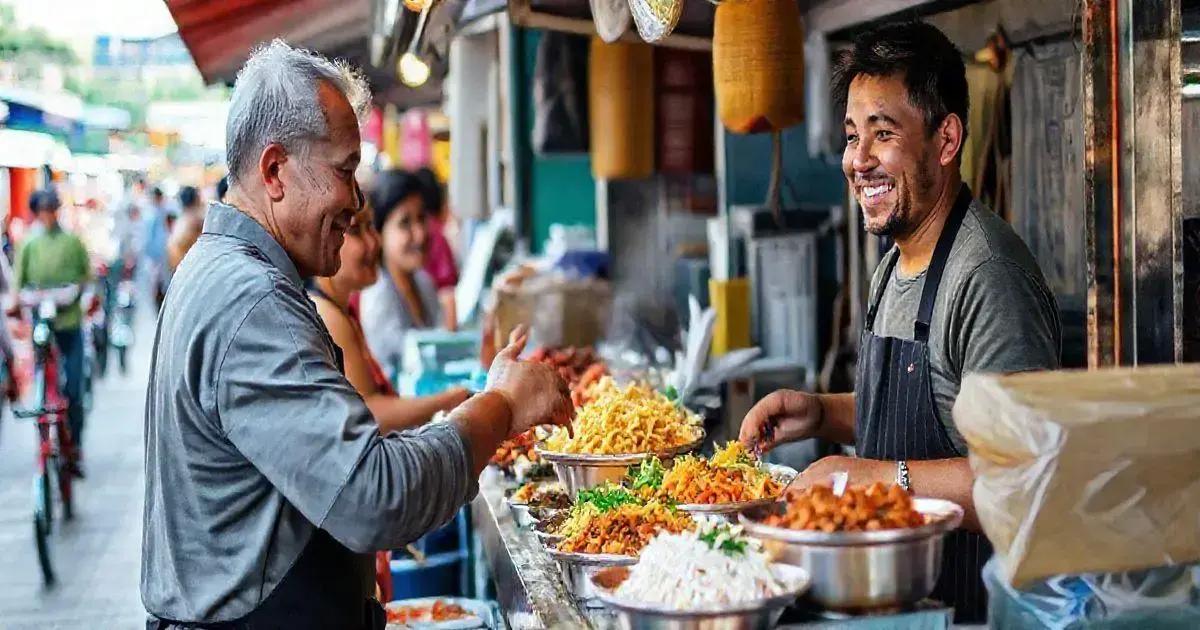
{"x": 254, "y": 438}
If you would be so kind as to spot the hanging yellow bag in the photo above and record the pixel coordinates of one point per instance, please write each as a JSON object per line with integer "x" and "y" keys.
{"x": 621, "y": 108}
{"x": 758, "y": 65}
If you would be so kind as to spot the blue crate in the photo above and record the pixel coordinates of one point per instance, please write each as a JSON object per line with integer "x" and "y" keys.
{"x": 439, "y": 576}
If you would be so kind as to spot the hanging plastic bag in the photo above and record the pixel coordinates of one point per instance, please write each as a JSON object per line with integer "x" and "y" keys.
{"x": 560, "y": 95}
{"x": 655, "y": 19}
{"x": 612, "y": 18}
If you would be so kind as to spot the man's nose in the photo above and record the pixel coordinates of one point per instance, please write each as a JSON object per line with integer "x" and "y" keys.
{"x": 864, "y": 158}
{"x": 359, "y": 200}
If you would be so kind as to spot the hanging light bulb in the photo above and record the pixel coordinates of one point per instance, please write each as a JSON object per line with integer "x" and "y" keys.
{"x": 413, "y": 72}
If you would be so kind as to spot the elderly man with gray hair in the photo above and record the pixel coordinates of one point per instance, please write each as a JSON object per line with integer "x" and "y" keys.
{"x": 267, "y": 481}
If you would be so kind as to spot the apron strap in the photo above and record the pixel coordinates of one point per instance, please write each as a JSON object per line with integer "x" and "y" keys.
{"x": 941, "y": 254}
{"x": 873, "y": 304}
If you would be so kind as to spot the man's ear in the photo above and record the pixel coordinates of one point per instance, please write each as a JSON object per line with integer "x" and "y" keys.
{"x": 950, "y": 132}
{"x": 270, "y": 165}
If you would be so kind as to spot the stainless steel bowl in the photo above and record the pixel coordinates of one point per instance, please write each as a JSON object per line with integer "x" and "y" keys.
{"x": 863, "y": 570}
{"x": 521, "y": 515}
{"x": 758, "y": 615}
{"x": 729, "y": 511}
{"x": 577, "y": 569}
{"x": 583, "y": 472}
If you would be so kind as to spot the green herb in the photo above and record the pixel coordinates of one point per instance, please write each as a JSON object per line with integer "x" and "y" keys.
{"x": 671, "y": 393}
{"x": 721, "y": 538}
{"x": 648, "y": 474}
{"x": 607, "y": 498}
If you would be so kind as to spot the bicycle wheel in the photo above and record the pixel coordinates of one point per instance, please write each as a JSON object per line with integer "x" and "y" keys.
{"x": 43, "y": 517}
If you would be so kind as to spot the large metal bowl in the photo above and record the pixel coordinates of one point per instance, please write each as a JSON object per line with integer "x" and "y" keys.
{"x": 758, "y": 615}
{"x": 577, "y": 569}
{"x": 856, "y": 571}
{"x": 579, "y": 471}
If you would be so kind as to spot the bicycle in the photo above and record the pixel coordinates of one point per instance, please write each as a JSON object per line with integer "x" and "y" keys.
{"x": 55, "y": 447}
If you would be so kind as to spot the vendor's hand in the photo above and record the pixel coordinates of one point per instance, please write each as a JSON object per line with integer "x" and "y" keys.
{"x": 783, "y": 416}
{"x": 535, "y": 393}
{"x": 861, "y": 472}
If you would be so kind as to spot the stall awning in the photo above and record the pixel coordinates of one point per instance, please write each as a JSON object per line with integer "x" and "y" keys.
{"x": 220, "y": 34}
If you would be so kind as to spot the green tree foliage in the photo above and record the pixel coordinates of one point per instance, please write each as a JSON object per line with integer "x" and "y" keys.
{"x": 30, "y": 44}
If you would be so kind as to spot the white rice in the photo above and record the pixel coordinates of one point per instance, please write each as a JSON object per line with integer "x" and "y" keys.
{"x": 681, "y": 572}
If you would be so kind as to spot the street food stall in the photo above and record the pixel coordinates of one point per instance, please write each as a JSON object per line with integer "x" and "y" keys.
{"x": 677, "y": 156}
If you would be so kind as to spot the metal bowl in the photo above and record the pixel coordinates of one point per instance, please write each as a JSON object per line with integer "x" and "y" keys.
{"x": 853, "y": 571}
{"x": 729, "y": 511}
{"x": 579, "y": 471}
{"x": 521, "y": 515}
{"x": 757, "y": 615}
{"x": 577, "y": 569}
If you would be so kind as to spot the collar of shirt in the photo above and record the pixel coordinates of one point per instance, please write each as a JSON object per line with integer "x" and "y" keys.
{"x": 226, "y": 220}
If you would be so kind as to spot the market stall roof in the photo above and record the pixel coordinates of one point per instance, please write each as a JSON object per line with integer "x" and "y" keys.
{"x": 220, "y": 34}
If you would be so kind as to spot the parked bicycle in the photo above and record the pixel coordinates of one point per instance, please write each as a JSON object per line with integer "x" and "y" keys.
{"x": 48, "y": 409}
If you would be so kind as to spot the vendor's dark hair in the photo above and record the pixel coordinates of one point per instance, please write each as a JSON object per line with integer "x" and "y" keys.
{"x": 389, "y": 189}
{"x": 930, "y": 65}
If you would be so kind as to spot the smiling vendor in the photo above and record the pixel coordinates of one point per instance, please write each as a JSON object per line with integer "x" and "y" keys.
{"x": 958, "y": 293}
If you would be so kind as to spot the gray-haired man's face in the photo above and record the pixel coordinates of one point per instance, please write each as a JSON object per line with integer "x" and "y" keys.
{"x": 321, "y": 193}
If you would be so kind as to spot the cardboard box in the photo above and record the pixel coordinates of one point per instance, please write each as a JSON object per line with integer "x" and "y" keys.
{"x": 1085, "y": 471}
{"x": 559, "y": 312}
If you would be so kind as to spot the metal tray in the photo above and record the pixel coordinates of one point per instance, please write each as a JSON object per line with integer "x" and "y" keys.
{"x": 623, "y": 459}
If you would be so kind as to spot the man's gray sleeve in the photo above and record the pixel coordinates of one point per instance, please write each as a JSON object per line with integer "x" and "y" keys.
{"x": 286, "y": 407}
{"x": 1004, "y": 320}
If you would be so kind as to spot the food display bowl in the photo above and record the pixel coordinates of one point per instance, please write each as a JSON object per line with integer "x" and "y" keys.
{"x": 729, "y": 511}
{"x": 758, "y": 615}
{"x": 521, "y": 515}
{"x": 577, "y": 569}
{"x": 543, "y": 513}
{"x": 860, "y": 571}
{"x": 578, "y": 471}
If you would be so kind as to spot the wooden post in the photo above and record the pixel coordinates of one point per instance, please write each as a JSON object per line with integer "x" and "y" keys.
{"x": 1100, "y": 175}
{"x": 1152, "y": 181}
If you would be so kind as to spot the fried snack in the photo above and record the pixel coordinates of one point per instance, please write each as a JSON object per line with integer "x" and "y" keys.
{"x": 439, "y": 611}
{"x": 523, "y": 494}
{"x": 579, "y": 367}
{"x": 626, "y": 420}
{"x": 875, "y": 507}
{"x": 625, "y": 530}
{"x": 731, "y": 475}
{"x": 512, "y": 450}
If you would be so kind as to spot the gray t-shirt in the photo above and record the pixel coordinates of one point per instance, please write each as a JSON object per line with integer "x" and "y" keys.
{"x": 993, "y": 313}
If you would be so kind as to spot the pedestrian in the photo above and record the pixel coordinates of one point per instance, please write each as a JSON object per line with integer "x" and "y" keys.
{"x": 268, "y": 483}
{"x": 53, "y": 258}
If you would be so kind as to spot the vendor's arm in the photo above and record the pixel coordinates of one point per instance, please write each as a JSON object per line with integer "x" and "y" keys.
{"x": 949, "y": 479}
{"x": 787, "y": 416}
{"x": 392, "y": 413}
{"x": 282, "y": 402}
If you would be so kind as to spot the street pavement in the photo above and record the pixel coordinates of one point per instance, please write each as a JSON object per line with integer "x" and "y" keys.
{"x": 97, "y": 555}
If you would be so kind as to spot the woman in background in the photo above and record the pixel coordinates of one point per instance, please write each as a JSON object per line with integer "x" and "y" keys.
{"x": 404, "y": 296}
{"x": 336, "y": 303}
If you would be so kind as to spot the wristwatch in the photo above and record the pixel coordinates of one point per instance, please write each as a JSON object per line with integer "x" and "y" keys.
{"x": 902, "y": 479}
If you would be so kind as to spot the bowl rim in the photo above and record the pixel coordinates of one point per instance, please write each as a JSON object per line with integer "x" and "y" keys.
{"x": 779, "y": 471}
{"x": 782, "y": 600}
{"x": 622, "y": 459}
{"x": 946, "y": 517}
{"x": 592, "y": 559}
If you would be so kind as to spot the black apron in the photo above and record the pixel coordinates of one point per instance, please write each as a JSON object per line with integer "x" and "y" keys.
{"x": 325, "y": 588}
{"x": 896, "y": 418}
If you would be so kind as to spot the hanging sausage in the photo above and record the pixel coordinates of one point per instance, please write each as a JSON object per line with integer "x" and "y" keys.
{"x": 621, "y": 106}
{"x": 758, "y": 65}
